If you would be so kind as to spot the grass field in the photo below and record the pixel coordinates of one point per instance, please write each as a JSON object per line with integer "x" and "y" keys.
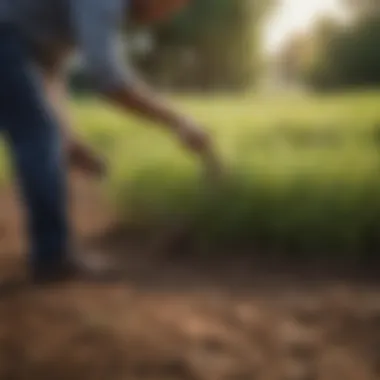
{"x": 304, "y": 171}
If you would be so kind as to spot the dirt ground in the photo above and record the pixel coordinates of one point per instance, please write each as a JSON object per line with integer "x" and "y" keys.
{"x": 180, "y": 320}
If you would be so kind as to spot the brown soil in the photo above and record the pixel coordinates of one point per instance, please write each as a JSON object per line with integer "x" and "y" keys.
{"x": 180, "y": 320}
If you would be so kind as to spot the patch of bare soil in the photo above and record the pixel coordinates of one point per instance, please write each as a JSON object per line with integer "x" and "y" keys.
{"x": 180, "y": 321}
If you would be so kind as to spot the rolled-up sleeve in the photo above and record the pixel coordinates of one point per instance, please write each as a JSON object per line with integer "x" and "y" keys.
{"x": 96, "y": 27}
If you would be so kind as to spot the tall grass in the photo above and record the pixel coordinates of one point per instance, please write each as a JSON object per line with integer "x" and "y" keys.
{"x": 304, "y": 172}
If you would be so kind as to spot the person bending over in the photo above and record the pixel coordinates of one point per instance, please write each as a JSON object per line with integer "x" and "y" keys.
{"x": 36, "y": 39}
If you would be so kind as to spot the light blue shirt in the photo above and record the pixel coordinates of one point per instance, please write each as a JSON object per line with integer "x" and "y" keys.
{"x": 92, "y": 26}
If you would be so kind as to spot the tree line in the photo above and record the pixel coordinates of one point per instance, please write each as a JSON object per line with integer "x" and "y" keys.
{"x": 337, "y": 55}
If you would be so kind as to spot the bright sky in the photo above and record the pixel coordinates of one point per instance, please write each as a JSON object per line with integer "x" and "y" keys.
{"x": 295, "y": 15}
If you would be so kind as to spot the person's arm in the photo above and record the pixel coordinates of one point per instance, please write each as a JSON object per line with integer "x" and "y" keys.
{"x": 97, "y": 29}
{"x": 144, "y": 102}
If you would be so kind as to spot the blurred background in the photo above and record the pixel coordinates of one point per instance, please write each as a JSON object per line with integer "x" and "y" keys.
{"x": 245, "y": 45}
{"x": 272, "y": 274}
{"x": 289, "y": 90}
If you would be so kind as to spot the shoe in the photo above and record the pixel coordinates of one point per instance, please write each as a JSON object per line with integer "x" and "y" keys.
{"x": 70, "y": 271}
{"x": 64, "y": 272}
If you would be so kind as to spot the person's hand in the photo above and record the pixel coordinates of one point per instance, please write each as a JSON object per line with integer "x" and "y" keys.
{"x": 192, "y": 136}
{"x": 198, "y": 141}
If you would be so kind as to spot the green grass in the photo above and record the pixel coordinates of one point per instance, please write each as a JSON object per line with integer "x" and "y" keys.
{"x": 304, "y": 171}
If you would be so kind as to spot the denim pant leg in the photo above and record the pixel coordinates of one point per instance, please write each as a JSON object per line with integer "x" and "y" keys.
{"x": 34, "y": 138}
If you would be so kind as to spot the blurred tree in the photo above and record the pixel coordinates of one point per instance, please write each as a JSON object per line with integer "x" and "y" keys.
{"x": 335, "y": 55}
{"x": 347, "y": 56}
{"x": 363, "y": 8}
{"x": 210, "y": 46}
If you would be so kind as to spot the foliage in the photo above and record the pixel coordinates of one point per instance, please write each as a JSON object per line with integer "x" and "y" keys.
{"x": 220, "y": 36}
{"x": 337, "y": 55}
{"x": 363, "y": 8}
{"x": 349, "y": 57}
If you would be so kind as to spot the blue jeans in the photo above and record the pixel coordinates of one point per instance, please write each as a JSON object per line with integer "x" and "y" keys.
{"x": 33, "y": 135}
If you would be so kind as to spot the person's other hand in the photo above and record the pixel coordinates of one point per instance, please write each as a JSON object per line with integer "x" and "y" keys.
{"x": 192, "y": 136}
{"x": 198, "y": 141}
{"x": 85, "y": 159}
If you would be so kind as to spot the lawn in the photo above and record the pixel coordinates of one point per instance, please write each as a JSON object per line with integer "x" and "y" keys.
{"x": 304, "y": 172}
